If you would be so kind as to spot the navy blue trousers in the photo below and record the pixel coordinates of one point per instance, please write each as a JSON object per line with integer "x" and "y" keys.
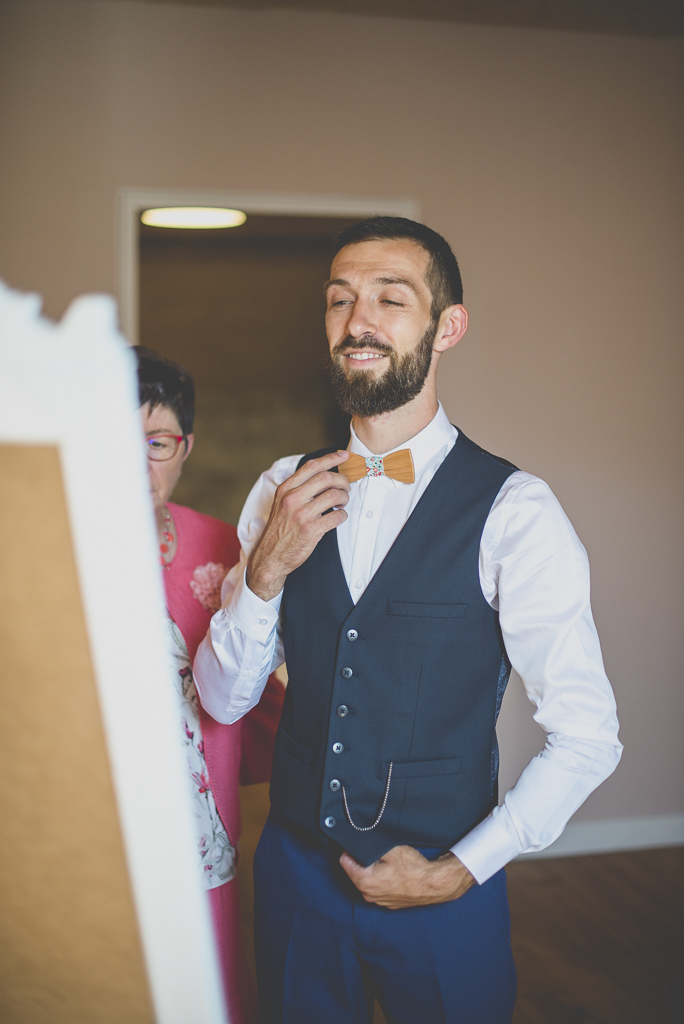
{"x": 323, "y": 953}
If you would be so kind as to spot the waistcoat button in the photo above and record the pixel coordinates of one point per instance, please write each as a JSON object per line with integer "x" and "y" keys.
{"x": 342, "y": 711}
{"x": 330, "y": 822}
{"x": 334, "y": 785}
{"x": 352, "y": 634}
{"x": 346, "y": 673}
{"x": 337, "y": 748}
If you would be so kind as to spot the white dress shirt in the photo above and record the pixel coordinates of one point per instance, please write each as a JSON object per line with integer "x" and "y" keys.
{"x": 533, "y": 570}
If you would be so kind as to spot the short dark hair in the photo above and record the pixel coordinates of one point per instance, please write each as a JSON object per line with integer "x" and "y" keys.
{"x": 443, "y": 277}
{"x": 163, "y": 382}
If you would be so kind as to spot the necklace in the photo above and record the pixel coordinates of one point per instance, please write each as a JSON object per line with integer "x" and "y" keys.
{"x": 166, "y": 545}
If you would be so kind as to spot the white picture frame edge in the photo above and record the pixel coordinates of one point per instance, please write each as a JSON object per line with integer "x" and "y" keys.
{"x": 74, "y": 385}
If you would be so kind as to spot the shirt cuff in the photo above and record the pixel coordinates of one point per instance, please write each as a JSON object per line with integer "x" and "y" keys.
{"x": 255, "y": 618}
{"x": 489, "y": 846}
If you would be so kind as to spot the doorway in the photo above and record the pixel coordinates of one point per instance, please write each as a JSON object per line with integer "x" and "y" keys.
{"x": 242, "y": 308}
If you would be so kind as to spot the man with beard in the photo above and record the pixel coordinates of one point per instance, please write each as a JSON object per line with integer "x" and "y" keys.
{"x": 399, "y": 580}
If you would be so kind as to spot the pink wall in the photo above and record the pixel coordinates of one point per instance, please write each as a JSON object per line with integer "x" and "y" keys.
{"x": 550, "y": 160}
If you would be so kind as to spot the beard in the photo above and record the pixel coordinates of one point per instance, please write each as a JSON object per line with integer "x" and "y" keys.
{"x": 360, "y": 393}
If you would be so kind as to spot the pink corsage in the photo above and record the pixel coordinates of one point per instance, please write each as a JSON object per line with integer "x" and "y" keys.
{"x": 206, "y": 585}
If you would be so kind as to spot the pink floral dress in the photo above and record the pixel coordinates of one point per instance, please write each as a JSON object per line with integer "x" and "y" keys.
{"x": 215, "y": 854}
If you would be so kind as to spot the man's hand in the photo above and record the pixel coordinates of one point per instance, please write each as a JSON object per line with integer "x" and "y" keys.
{"x": 404, "y": 878}
{"x": 297, "y": 523}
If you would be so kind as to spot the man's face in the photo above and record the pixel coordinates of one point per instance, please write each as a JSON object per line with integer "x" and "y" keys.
{"x": 379, "y": 325}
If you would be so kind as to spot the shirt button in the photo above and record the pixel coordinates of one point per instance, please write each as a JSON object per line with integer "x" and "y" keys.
{"x": 262, "y": 622}
{"x": 334, "y": 785}
{"x": 369, "y": 515}
{"x": 330, "y": 822}
{"x": 352, "y": 634}
{"x": 342, "y": 711}
{"x": 337, "y": 748}
{"x": 346, "y": 673}
{"x": 358, "y": 584}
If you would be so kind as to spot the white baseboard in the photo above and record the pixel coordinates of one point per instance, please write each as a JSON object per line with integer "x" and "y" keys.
{"x": 616, "y": 834}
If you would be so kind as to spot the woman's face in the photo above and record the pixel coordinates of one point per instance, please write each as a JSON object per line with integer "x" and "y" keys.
{"x": 164, "y": 475}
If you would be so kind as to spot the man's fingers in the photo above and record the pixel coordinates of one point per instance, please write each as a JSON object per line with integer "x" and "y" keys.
{"x": 292, "y": 499}
{"x": 331, "y": 498}
{"x": 332, "y": 521}
{"x": 313, "y": 528}
{"x": 314, "y": 466}
{"x": 352, "y": 867}
{"x": 322, "y": 482}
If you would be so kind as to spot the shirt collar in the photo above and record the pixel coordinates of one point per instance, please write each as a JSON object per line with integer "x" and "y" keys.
{"x": 424, "y": 446}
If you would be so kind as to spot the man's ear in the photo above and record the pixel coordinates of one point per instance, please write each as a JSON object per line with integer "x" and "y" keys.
{"x": 453, "y": 323}
{"x": 189, "y": 441}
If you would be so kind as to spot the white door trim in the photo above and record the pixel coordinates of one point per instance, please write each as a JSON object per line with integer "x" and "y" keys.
{"x": 132, "y": 200}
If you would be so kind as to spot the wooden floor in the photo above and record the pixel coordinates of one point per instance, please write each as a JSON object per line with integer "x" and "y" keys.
{"x": 596, "y": 940}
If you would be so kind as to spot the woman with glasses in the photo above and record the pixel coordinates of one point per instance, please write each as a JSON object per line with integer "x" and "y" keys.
{"x": 195, "y": 552}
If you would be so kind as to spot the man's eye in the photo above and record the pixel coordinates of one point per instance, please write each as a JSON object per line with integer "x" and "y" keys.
{"x": 392, "y": 302}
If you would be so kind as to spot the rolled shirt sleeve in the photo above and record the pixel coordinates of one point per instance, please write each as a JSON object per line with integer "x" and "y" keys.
{"x": 534, "y": 569}
{"x": 243, "y": 645}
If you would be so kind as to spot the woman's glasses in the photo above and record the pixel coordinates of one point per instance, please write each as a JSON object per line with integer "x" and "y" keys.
{"x": 162, "y": 447}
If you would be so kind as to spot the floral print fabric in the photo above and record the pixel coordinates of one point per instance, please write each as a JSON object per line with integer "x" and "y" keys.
{"x": 206, "y": 585}
{"x": 375, "y": 466}
{"x": 216, "y": 856}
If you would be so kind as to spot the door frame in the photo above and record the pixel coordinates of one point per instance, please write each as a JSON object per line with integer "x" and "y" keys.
{"x": 133, "y": 200}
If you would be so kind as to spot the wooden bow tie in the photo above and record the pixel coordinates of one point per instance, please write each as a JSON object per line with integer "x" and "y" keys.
{"x": 398, "y": 465}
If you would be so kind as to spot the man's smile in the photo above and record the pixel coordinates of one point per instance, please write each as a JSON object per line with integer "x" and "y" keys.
{"x": 355, "y": 356}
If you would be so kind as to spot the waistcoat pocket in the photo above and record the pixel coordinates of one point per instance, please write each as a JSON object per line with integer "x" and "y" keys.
{"x": 427, "y": 611}
{"x": 421, "y": 769}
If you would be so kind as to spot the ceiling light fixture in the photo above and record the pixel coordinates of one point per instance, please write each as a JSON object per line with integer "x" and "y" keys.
{"x": 193, "y": 217}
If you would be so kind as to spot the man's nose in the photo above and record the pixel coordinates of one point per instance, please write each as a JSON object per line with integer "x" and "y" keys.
{"x": 363, "y": 320}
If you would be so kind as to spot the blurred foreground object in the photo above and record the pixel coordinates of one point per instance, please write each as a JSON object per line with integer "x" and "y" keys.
{"x": 97, "y": 832}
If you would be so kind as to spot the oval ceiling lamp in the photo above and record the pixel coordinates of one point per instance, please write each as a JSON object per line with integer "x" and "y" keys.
{"x": 193, "y": 217}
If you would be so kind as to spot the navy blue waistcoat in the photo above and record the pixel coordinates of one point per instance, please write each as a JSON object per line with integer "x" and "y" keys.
{"x": 413, "y": 674}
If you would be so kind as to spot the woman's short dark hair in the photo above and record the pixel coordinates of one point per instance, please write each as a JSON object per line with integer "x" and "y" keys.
{"x": 443, "y": 277}
{"x": 162, "y": 382}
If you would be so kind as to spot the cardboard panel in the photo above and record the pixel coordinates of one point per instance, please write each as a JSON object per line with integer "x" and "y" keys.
{"x": 70, "y": 952}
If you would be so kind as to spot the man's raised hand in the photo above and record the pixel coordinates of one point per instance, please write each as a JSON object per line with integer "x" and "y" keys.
{"x": 296, "y": 523}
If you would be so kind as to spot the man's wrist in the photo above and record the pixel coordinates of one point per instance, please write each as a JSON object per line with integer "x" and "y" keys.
{"x": 266, "y": 586}
{"x": 250, "y": 615}
{"x": 489, "y": 846}
{"x": 457, "y": 879}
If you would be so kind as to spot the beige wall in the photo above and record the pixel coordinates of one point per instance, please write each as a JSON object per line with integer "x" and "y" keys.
{"x": 550, "y": 160}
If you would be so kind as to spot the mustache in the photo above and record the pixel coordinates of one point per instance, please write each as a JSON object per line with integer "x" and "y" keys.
{"x": 362, "y": 343}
